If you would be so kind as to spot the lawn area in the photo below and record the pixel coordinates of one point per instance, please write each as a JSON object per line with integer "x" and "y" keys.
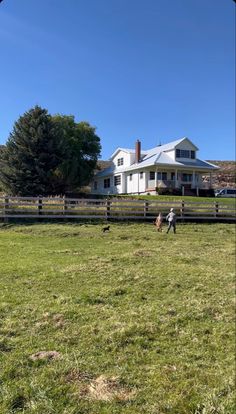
{"x": 187, "y": 199}
{"x": 139, "y": 321}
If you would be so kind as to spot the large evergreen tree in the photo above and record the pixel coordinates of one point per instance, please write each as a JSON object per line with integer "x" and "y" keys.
{"x": 47, "y": 155}
{"x": 31, "y": 155}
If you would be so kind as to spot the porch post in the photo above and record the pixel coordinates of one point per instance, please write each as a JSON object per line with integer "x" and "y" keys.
{"x": 210, "y": 180}
{"x": 124, "y": 183}
{"x": 146, "y": 180}
{"x": 176, "y": 178}
{"x": 193, "y": 180}
{"x": 156, "y": 178}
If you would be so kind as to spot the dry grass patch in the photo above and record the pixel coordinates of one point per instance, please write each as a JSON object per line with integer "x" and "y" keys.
{"x": 102, "y": 388}
{"x": 108, "y": 389}
{"x": 45, "y": 355}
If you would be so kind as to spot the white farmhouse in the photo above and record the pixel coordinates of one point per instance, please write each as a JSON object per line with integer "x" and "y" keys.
{"x": 173, "y": 166}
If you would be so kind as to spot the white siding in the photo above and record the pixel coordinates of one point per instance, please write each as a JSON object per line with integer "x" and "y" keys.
{"x": 185, "y": 145}
{"x": 132, "y": 158}
{"x": 142, "y": 185}
{"x": 132, "y": 185}
{"x": 127, "y": 159}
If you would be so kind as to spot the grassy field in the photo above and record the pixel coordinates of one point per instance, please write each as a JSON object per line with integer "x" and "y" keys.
{"x": 194, "y": 199}
{"x": 132, "y": 321}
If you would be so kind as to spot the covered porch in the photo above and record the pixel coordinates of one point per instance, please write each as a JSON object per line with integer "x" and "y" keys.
{"x": 177, "y": 179}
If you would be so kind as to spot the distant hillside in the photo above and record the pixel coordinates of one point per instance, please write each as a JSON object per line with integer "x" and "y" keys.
{"x": 101, "y": 165}
{"x": 226, "y": 175}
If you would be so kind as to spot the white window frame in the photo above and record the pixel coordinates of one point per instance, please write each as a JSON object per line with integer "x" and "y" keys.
{"x": 182, "y": 153}
{"x": 120, "y": 161}
{"x": 117, "y": 180}
{"x": 153, "y": 174}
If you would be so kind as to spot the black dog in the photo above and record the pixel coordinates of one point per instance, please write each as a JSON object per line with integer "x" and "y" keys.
{"x": 106, "y": 229}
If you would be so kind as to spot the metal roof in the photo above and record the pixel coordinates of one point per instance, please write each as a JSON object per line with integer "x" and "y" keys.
{"x": 157, "y": 156}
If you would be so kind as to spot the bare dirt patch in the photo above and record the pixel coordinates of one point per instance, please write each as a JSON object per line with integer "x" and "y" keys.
{"x": 143, "y": 253}
{"x": 45, "y": 355}
{"x": 101, "y": 388}
{"x": 108, "y": 389}
{"x": 76, "y": 375}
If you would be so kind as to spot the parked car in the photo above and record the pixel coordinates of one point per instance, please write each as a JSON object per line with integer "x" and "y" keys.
{"x": 226, "y": 192}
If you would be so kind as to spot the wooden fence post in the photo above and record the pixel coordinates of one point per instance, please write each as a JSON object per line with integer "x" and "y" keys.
{"x": 40, "y": 206}
{"x": 108, "y": 209}
{"x": 145, "y": 210}
{"x": 216, "y": 208}
{"x": 64, "y": 205}
{"x": 182, "y": 208}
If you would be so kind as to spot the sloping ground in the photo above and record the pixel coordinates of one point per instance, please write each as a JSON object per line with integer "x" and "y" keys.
{"x": 101, "y": 165}
{"x": 226, "y": 176}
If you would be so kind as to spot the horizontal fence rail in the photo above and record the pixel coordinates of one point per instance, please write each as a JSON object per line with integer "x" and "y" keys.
{"x": 119, "y": 209}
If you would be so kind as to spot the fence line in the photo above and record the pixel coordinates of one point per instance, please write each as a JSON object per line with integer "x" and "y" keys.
{"x": 112, "y": 208}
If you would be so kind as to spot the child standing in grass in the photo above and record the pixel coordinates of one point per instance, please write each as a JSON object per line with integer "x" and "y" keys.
{"x": 158, "y": 222}
{"x": 171, "y": 218}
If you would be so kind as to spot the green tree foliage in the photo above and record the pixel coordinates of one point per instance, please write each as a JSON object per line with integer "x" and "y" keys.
{"x": 81, "y": 148}
{"x": 47, "y": 155}
{"x": 31, "y": 155}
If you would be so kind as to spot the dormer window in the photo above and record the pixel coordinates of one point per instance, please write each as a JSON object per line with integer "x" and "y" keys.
{"x": 120, "y": 162}
{"x": 179, "y": 153}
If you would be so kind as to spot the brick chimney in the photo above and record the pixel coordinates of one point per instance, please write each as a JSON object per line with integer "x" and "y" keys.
{"x": 137, "y": 151}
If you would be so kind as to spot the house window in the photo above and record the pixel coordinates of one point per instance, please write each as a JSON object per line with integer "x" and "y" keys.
{"x": 187, "y": 178}
{"x": 130, "y": 177}
{"x": 172, "y": 176}
{"x": 179, "y": 153}
{"x": 117, "y": 180}
{"x": 141, "y": 175}
{"x": 107, "y": 183}
{"x": 162, "y": 176}
{"x": 95, "y": 185}
{"x": 152, "y": 175}
{"x": 193, "y": 155}
{"x": 120, "y": 162}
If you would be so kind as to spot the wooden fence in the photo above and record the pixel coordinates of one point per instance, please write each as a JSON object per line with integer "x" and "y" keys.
{"x": 113, "y": 208}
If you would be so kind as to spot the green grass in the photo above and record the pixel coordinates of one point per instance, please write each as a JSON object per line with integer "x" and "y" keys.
{"x": 143, "y": 321}
{"x": 187, "y": 199}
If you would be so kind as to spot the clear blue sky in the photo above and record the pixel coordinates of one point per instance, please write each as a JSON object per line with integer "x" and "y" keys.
{"x": 156, "y": 70}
